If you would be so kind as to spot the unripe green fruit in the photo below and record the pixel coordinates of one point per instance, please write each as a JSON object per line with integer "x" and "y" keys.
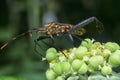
{"x": 51, "y": 50}
{"x": 117, "y": 52}
{"x": 95, "y": 61}
{"x": 81, "y": 52}
{"x": 106, "y": 70}
{"x": 50, "y": 74}
{"x": 106, "y": 53}
{"x": 92, "y": 57}
{"x": 87, "y": 43}
{"x": 65, "y": 66}
{"x": 57, "y": 68}
{"x": 91, "y": 69}
{"x": 59, "y": 78}
{"x": 96, "y": 45}
{"x": 112, "y": 46}
{"x": 83, "y": 69}
{"x": 114, "y": 59}
{"x": 51, "y": 54}
{"x": 76, "y": 64}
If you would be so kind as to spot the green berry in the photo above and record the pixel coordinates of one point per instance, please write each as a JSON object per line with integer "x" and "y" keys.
{"x": 83, "y": 69}
{"x": 87, "y": 43}
{"x": 106, "y": 53}
{"x": 106, "y": 70}
{"x": 65, "y": 66}
{"x": 112, "y": 46}
{"x": 91, "y": 69}
{"x": 117, "y": 52}
{"x": 76, "y": 64}
{"x": 50, "y": 74}
{"x": 51, "y": 50}
{"x": 81, "y": 52}
{"x": 96, "y": 45}
{"x": 57, "y": 68}
{"x": 51, "y": 54}
{"x": 95, "y": 61}
{"x": 59, "y": 78}
{"x": 114, "y": 58}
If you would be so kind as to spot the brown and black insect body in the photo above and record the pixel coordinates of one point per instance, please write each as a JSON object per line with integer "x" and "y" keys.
{"x": 50, "y": 30}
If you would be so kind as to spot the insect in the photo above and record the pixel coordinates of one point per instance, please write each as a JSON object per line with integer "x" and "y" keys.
{"x": 50, "y": 30}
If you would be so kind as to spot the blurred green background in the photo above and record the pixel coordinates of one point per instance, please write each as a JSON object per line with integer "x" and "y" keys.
{"x": 17, "y": 16}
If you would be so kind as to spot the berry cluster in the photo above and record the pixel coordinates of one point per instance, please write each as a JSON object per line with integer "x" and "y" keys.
{"x": 89, "y": 58}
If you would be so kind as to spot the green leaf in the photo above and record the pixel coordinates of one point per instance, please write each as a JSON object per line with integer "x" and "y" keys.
{"x": 97, "y": 77}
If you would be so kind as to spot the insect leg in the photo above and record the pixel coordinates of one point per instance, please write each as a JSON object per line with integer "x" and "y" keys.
{"x": 44, "y": 37}
{"x": 99, "y": 25}
{"x": 71, "y": 38}
{"x": 17, "y": 37}
{"x": 78, "y": 37}
{"x": 52, "y": 39}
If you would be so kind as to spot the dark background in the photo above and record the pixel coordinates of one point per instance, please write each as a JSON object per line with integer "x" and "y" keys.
{"x": 17, "y": 16}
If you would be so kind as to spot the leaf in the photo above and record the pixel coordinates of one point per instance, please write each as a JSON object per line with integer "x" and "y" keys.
{"x": 97, "y": 77}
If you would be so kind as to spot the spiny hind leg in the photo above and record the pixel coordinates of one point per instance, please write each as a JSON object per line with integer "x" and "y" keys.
{"x": 52, "y": 44}
{"x": 71, "y": 38}
{"x": 41, "y": 38}
{"x": 99, "y": 25}
{"x": 77, "y": 37}
{"x": 55, "y": 46}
